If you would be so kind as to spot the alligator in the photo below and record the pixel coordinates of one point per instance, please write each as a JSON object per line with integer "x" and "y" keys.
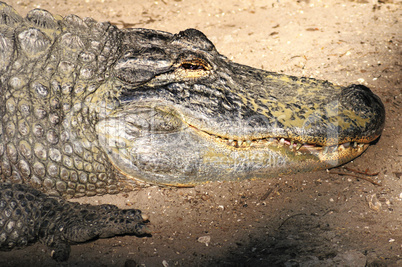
{"x": 90, "y": 109}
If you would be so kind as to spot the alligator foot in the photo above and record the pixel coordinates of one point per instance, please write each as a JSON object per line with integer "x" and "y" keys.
{"x": 28, "y": 216}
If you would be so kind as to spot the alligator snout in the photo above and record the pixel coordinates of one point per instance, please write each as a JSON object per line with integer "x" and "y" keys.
{"x": 369, "y": 118}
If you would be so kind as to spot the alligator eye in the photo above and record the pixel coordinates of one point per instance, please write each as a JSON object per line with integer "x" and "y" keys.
{"x": 191, "y": 66}
{"x": 195, "y": 65}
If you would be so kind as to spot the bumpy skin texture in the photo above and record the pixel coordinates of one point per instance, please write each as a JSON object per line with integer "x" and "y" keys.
{"x": 27, "y": 216}
{"x": 46, "y": 75}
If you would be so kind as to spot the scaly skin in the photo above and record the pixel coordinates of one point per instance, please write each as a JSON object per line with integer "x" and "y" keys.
{"x": 90, "y": 109}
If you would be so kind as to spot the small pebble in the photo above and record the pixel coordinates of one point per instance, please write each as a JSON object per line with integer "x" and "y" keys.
{"x": 373, "y": 202}
{"x": 204, "y": 239}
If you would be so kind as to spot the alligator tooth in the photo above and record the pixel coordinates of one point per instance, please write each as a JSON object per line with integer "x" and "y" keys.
{"x": 248, "y": 142}
{"x": 325, "y": 150}
{"x": 230, "y": 140}
{"x": 341, "y": 147}
{"x": 239, "y": 142}
{"x": 291, "y": 144}
{"x": 281, "y": 142}
{"x": 271, "y": 140}
{"x": 298, "y": 146}
{"x": 354, "y": 144}
{"x": 360, "y": 147}
{"x": 335, "y": 148}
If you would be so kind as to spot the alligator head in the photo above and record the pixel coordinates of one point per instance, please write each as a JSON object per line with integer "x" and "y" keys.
{"x": 179, "y": 113}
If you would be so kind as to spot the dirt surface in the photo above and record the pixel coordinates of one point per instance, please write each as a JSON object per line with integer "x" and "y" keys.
{"x": 313, "y": 219}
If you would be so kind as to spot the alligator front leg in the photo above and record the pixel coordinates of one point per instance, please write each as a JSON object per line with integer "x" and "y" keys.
{"x": 28, "y": 216}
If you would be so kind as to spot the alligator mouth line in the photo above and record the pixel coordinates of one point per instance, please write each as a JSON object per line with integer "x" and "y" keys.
{"x": 281, "y": 142}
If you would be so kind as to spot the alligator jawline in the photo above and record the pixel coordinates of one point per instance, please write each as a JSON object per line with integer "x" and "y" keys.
{"x": 281, "y": 142}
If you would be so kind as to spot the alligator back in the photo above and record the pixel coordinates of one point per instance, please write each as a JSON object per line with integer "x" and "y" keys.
{"x": 49, "y": 68}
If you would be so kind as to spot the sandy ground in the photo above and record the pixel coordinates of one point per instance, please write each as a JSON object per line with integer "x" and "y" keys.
{"x": 313, "y": 219}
